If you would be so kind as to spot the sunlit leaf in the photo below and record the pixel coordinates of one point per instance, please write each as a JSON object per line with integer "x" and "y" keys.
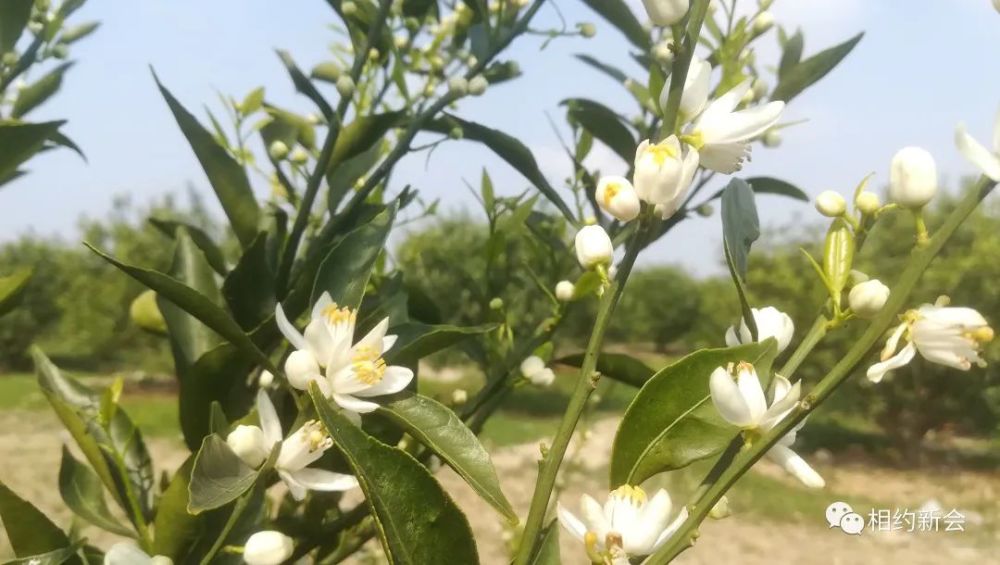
{"x": 806, "y": 73}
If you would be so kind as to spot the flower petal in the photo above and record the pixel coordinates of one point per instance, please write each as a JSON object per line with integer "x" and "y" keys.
{"x": 731, "y": 339}
{"x": 652, "y": 520}
{"x": 978, "y": 155}
{"x": 375, "y": 337}
{"x": 781, "y": 405}
{"x": 796, "y": 466}
{"x": 753, "y": 394}
{"x": 269, "y": 422}
{"x": 597, "y": 519}
{"x": 321, "y": 304}
{"x": 321, "y": 479}
{"x": 571, "y": 523}
{"x": 287, "y": 329}
{"x": 295, "y": 488}
{"x": 727, "y": 398}
{"x": 125, "y": 553}
{"x": 725, "y": 158}
{"x": 672, "y": 528}
{"x": 353, "y": 404}
{"x": 394, "y": 380}
{"x": 878, "y": 370}
{"x": 388, "y": 341}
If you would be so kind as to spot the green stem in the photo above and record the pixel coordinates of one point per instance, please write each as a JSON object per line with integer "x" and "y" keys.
{"x": 234, "y": 516}
{"x": 679, "y": 71}
{"x": 919, "y": 262}
{"x": 585, "y": 385}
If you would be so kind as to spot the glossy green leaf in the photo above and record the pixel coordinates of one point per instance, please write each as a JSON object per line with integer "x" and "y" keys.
{"x": 345, "y": 271}
{"x": 83, "y": 493}
{"x": 604, "y": 124}
{"x": 194, "y": 303}
{"x": 740, "y": 223}
{"x": 220, "y": 375}
{"x": 416, "y": 340}
{"x": 510, "y": 150}
{"x": 228, "y": 179}
{"x": 14, "y": 16}
{"x": 611, "y": 71}
{"x": 115, "y": 449}
{"x": 672, "y": 422}
{"x": 249, "y": 287}
{"x": 36, "y": 93}
{"x": 175, "y": 527}
{"x": 218, "y": 477}
{"x": 618, "y": 14}
{"x": 547, "y": 552}
{"x": 304, "y": 85}
{"x": 20, "y": 141}
{"x": 11, "y": 289}
{"x": 808, "y": 72}
{"x": 360, "y": 135}
{"x": 213, "y": 254}
{"x": 618, "y": 366}
{"x": 342, "y": 177}
{"x": 416, "y": 521}
{"x": 28, "y": 530}
{"x": 791, "y": 54}
{"x": 443, "y": 432}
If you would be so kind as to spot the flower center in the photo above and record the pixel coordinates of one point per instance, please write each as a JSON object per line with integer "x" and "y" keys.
{"x": 695, "y": 139}
{"x": 661, "y": 153}
{"x": 368, "y": 365}
{"x": 337, "y": 315}
{"x": 316, "y": 437}
{"x": 610, "y": 191}
{"x": 981, "y": 335}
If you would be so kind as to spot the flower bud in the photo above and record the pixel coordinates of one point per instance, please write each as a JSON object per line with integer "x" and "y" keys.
{"x": 868, "y": 298}
{"x": 345, "y": 86}
{"x": 458, "y": 86}
{"x": 248, "y": 443}
{"x": 564, "y": 291}
{"x": 459, "y": 396}
{"x": 267, "y": 548}
{"x": 763, "y": 22}
{"x": 532, "y": 365}
{"x": 666, "y": 12}
{"x": 9, "y": 59}
{"x": 663, "y": 53}
{"x": 587, "y": 29}
{"x": 60, "y": 51}
{"x": 868, "y": 203}
{"x": 278, "y": 150}
{"x": 36, "y": 27}
{"x": 705, "y": 210}
{"x": 593, "y": 247}
{"x": 265, "y": 379}
{"x": 349, "y": 8}
{"x": 831, "y": 204}
{"x": 298, "y": 156}
{"x": 912, "y": 177}
{"x": 543, "y": 378}
{"x": 772, "y": 138}
{"x": 720, "y": 510}
{"x": 616, "y": 196}
{"x": 301, "y": 368}
{"x": 478, "y": 84}
{"x": 663, "y": 173}
{"x": 496, "y": 303}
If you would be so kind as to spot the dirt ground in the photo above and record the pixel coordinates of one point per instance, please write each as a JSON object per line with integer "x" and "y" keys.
{"x": 29, "y": 462}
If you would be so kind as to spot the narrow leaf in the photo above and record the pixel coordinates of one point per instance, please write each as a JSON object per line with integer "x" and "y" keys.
{"x": 83, "y": 493}
{"x": 20, "y": 141}
{"x": 618, "y": 14}
{"x": 34, "y": 94}
{"x": 304, "y": 85}
{"x": 618, "y": 366}
{"x": 604, "y": 124}
{"x": 808, "y": 72}
{"x": 29, "y": 531}
{"x": 416, "y": 341}
{"x": 740, "y": 223}
{"x": 11, "y": 289}
{"x": 345, "y": 271}
{"x": 14, "y": 16}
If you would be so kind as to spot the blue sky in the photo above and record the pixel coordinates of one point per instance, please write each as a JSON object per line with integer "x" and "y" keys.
{"x": 923, "y": 66}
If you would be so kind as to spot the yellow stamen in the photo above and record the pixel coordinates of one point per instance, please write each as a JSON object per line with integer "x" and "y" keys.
{"x": 633, "y": 494}
{"x": 981, "y": 335}
{"x": 590, "y": 544}
{"x": 661, "y": 152}
{"x": 696, "y": 139}
{"x": 610, "y": 191}
{"x": 337, "y": 315}
{"x": 369, "y": 367}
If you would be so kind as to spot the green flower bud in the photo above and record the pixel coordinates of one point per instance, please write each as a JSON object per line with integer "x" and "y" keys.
{"x": 496, "y": 304}
{"x": 587, "y": 29}
{"x": 349, "y": 8}
{"x": 772, "y": 138}
{"x": 298, "y": 156}
{"x": 345, "y": 86}
{"x": 706, "y": 210}
{"x": 478, "y": 85}
{"x": 278, "y": 150}
{"x": 458, "y": 86}
{"x": 456, "y": 133}
{"x": 867, "y": 203}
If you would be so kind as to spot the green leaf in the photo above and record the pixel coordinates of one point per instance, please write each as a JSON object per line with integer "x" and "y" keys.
{"x": 416, "y": 521}
{"x": 175, "y": 527}
{"x": 342, "y": 177}
{"x": 76, "y": 33}
{"x": 808, "y": 72}
{"x": 618, "y": 366}
{"x": 437, "y": 427}
{"x": 249, "y": 287}
{"x": 14, "y": 16}
{"x": 618, "y": 14}
{"x": 220, "y": 375}
{"x": 194, "y": 303}
{"x": 416, "y": 341}
{"x": 83, "y": 493}
{"x": 20, "y": 141}
{"x": 547, "y": 552}
{"x": 507, "y": 148}
{"x": 304, "y": 85}
{"x": 604, "y": 124}
{"x": 12, "y": 288}
{"x": 34, "y": 94}
{"x": 345, "y": 271}
{"x": 54, "y": 557}
{"x": 227, "y": 177}
{"x": 740, "y": 224}
{"x": 29, "y": 531}
{"x": 114, "y": 449}
{"x": 213, "y": 254}
{"x": 672, "y": 422}
{"x": 219, "y": 476}
{"x": 771, "y": 185}
{"x": 791, "y": 54}
{"x": 610, "y": 70}
{"x": 360, "y": 135}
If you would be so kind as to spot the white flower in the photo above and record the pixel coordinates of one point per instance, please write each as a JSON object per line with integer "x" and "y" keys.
{"x": 868, "y": 298}
{"x": 666, "y": 12}
{"x": 912, "y": 177}
{"x": 743, "y": 404}
{"x": 663, "y": 173}
{"x": 867, "y": 202}
{"x": 629, "y": 524}
{"x": 721, "y": 133}
{"x": 976, "y": 153}
{"x": 127, "y": 553}
{"x": 831, "y": 204}
{"x": 300, "y": 450}
{"x": 565, "y": 290}
{"x": 771, "y": 322}
{"x": 697, "y": 86}
{"x": 616, "y": 196}
{"x": 949, "y": 336}
{"x": 593, "y": 247}
{"x": 267, "y": 548}
{"x": 329, "y": 326}
{"x": 533, "y": 368}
